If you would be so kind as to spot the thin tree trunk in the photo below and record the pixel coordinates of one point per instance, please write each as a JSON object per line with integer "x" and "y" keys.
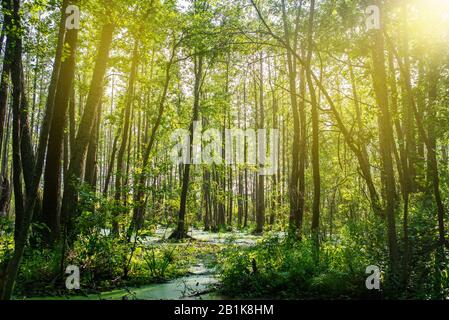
{"x": 139, "y": 209}
{"x": 260, "y": 199}
{"x": 180, "y": 231}
{"x": 315, "y": 135}
{"x": 296, "y": 187}
{"x": 111, "y": 164}
{"x": 120, "y": 171}
{"x": 386, "y": 141}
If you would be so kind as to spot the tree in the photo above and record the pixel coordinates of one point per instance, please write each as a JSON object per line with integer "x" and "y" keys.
{"x": 52, "y": 175}
{"x": 86, "y": 127}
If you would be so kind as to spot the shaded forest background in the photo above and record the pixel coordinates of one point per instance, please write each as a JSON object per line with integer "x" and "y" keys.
{"x": 87, "y": 113}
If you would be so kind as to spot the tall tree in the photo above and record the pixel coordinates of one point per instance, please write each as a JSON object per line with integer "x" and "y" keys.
{"x": 86, "y": 126}
{"x": 53, "y": 164}
{"x": 121, "y": 170}
{"x": 386, "y": 142}
{"x": 180, "y": 231}
{"x": 315, "y": 132}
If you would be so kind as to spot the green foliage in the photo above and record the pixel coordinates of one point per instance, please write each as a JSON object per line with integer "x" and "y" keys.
{"x": 281, "y": 268}
{"x": 245, "y": 72}
{"x": 6, "y": 242}
{"x": 158, "y": 261}
{"x": 40, "y": 271}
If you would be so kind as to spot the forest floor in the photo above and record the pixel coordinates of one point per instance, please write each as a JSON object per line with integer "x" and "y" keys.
{"x": 201, "y": 280}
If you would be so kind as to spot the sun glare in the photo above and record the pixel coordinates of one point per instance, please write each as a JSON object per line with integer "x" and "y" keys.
{"x": 430, "y": 21}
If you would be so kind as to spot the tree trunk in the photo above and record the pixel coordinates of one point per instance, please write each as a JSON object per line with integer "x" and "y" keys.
{"x": 180, "y": 231}
{"x": 139, "y": 209}
{"x": 296, "y": 187}
{"x": 386, "y": 141}
{"x": 120, "y": 171}
{"x": 14, "y": 262}
{"x": 52, "y": 176}
{"x": 81, "y": 143}
{"x": 4, "y": 77}
{"x": 91, "y": 170}
{"x": 111, "y": 164}
{"x": 260, "y": 198}
{"x": 315, "y": 135}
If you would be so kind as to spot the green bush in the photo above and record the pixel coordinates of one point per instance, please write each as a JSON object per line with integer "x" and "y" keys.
{"x": 281, "y": 268}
